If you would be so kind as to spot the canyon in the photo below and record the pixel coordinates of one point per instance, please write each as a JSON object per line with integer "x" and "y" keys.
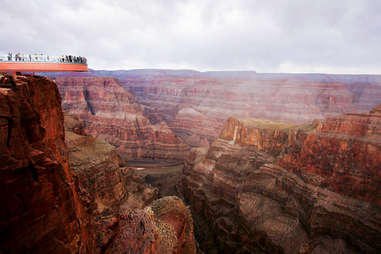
{"x": 281, "y": 163}
{"x": 65, "y": 191}
{"x": 190, "y": 127}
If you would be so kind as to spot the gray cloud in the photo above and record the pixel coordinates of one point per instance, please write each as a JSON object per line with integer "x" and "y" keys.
{"x": 267, "y": 36}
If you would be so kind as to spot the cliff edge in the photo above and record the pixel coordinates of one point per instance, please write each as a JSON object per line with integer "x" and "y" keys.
{"x": 38, "y": 211}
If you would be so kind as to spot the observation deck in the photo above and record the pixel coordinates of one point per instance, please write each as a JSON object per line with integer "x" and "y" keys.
{"x": 42, "y": 63}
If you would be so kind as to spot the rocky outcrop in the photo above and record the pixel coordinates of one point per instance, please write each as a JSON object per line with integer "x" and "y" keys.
{"x": 115, "y": 200}
{"x": 271, "y": 187}
{"x": 109, "y": 110}
{"x": 164, "y": 227}
{"x": 195, "y": 107}
{"x": 39, "y": 209}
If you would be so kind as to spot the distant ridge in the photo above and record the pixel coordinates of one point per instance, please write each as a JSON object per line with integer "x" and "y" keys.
{"x": 177, "y": 73}
{"x": 245, "y": 75}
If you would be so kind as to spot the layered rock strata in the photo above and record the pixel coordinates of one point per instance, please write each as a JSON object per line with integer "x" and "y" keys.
{"x": 39, "y": 211}
{"x": 270, "y": 187}
{"x": 195, "y": 108}
{"x": 109, "y": 110}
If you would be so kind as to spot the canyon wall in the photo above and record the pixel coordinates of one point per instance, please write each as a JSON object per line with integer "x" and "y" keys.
{"x": 195, "y": 107}
{"x": 269, "y": 187}
{"x": 109, "y": 110}
{"x": 39, "y": 212}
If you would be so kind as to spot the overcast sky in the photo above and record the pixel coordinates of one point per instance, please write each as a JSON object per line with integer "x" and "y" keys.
{"x": 331, "y": 36}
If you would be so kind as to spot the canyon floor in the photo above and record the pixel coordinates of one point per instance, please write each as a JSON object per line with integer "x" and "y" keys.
{"x": 165, "y": 176}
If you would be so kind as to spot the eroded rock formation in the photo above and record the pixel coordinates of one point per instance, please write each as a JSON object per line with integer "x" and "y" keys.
{"x": 111, "y": 111}
{"x": 270, "y": 187}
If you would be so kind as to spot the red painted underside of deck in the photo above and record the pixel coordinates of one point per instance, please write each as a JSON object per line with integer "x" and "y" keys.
{"x": 41, "y": 67}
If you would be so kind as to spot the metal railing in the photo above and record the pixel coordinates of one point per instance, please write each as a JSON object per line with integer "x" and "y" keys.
{"x": 41, "y": 58}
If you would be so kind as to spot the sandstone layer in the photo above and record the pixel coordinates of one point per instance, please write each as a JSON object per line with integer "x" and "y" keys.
{"x": 109, "y": 110}
{"x": 38, "y": 206}
{"x": 195, "y": 107}
{"x": 271, "y": 187}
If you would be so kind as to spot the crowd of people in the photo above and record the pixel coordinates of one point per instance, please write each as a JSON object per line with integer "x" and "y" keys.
{"x": 45, "y": 58}
{"x": 73, "y": 59}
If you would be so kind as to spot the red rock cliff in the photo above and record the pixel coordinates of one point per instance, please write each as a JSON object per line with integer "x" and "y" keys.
{"x": 110, "y": 110}
{"x": 39, "y": 211}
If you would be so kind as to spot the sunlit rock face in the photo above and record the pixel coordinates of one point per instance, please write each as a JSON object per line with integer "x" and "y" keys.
{"x": 195, "y": 107}
{"x": 109, "y": 110}
{"x": 40, "y": 211}
{"x": 265, "y": 186}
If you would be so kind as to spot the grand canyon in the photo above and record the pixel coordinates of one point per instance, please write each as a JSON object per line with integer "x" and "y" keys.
{"x": 190, "y": 127}
{"x": 165, "y": 161}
